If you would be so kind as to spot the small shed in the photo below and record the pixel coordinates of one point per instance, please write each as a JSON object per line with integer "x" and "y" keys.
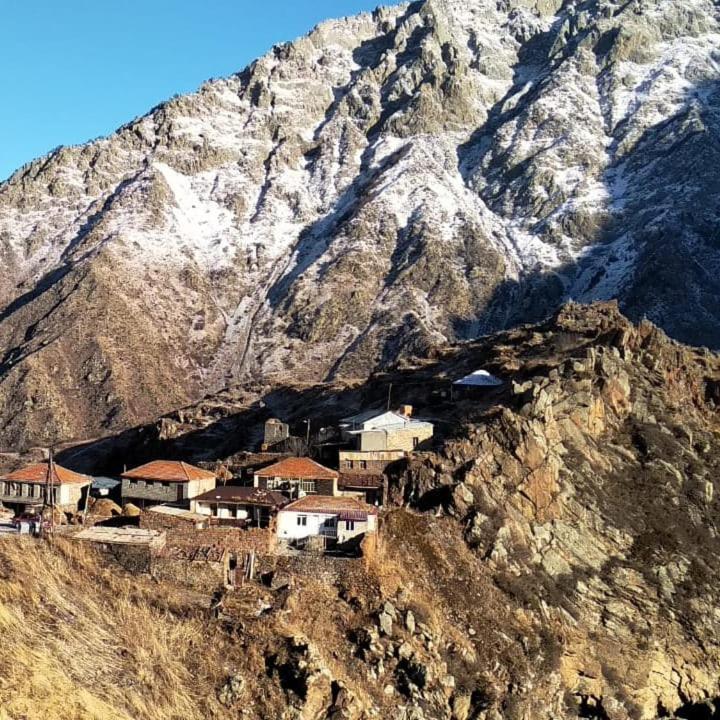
{"x": 476, "y": 384}
{"x": 132, "y": 547}
{"x": 104, "y": 487}
{"x": 275, "y": 432}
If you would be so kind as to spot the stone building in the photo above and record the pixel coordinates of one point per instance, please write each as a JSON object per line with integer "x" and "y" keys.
{"x": 372, "y": 462}
{"x": 276, "y": 432}
{"x": 134, "y": 548}
{"x": 204, "y": 568}
{"x": 171, "y": 517}
{"x": 165, "y": 481}
{"x": 386, "y": 431}
{"x": 27, "y": 489}
{"x": 370, "y": 488}
{"x": 297, "y": 476}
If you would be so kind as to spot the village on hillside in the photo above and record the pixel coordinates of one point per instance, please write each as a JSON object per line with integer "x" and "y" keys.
{"x": 214, "y": 525}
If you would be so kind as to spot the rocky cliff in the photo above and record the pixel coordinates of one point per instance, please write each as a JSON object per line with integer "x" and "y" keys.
{"x": 590, "y": 499}
{"x": 428, "y": 172}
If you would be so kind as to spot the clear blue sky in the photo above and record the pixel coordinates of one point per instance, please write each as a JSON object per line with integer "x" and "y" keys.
{"x": 72, "y": 70}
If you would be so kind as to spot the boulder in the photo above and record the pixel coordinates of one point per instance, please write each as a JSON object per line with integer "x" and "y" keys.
{"x": 231, "y": 691}
{"x": 130, "y": 510}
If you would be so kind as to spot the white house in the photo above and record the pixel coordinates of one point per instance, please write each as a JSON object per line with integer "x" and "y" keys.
{"x": 338, "y": 519}
{"x": 386, "y": 431}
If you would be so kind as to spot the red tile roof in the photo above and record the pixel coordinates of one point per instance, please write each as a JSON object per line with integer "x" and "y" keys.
{"x": 168, "y": 471}
{"x": 298, "y": 467}
{"x": 243, "y": 496}
{"x": 38, "y": 473}
{"x": 346, "y": 507}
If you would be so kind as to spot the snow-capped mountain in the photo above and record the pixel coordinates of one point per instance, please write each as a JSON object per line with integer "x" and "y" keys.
{"x": 424, "y": 173}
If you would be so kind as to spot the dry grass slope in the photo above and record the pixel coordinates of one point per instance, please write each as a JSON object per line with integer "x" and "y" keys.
{"x": 81, "y": 641}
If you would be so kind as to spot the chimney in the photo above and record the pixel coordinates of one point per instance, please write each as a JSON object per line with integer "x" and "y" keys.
{"x": 406, "y": 410}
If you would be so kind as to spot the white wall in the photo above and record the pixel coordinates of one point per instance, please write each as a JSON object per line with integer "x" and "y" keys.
{"x": 224, "y": 510}
{"x": 289, "y": 529}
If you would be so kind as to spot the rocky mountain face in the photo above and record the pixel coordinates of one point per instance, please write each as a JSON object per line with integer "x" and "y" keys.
{"x": 556, "y": 555}
{"x": 424, "y": 173}
{"x": 589, "y": 496}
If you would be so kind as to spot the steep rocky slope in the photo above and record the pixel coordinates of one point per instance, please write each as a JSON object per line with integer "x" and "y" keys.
{"x": 427, "y": 172}
{"x": 556, "y": 555}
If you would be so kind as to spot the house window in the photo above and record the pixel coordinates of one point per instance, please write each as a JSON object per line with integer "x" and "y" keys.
{"x": 363, "y": 464}
{"x": 416, "y": 442}
{"x": 302, "y": 520}
{"x": 307, "y": 486}
{"x": 350, "y": 524}
{"x": 166, "y": 484}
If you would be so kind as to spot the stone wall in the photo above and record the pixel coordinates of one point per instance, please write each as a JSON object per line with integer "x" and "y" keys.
{"x": 156, "y": 492}
{"x": 402, "y": 439}
{"x": 260, "y": 540}
{"x": 328, "y": 570}
{"x": 202, "y": 575}
{"x": 160, "y": 521}
{"x": 135, "y": 559}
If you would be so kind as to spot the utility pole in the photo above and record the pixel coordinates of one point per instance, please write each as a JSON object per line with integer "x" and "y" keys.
{"x": 307, "y": 436}
{"x": 51, "y": 491}
{"x": 389, "y": 396}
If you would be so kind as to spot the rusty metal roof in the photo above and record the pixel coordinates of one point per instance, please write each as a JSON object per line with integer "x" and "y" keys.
{"x": 169, "y": 471}
{"x": 38, "y": 473}
{"x": 177, "y": 512}
{"x": 243, "y": 496}
{"x": 347, "y": 507}
{"x": 298, "y": 467}
{"x": 120, "y": 536}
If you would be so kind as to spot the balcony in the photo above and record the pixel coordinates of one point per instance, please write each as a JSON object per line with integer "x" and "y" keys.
{"x": 22, "y": 499}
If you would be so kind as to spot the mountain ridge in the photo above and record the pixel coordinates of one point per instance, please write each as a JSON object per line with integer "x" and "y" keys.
{"x": 428, "y": 172}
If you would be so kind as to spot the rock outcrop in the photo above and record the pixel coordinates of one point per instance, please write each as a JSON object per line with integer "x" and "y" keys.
{"x": 590, "y": 497}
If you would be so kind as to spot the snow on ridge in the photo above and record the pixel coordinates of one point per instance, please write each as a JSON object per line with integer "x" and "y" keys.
{"x": 207, "y": 225}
